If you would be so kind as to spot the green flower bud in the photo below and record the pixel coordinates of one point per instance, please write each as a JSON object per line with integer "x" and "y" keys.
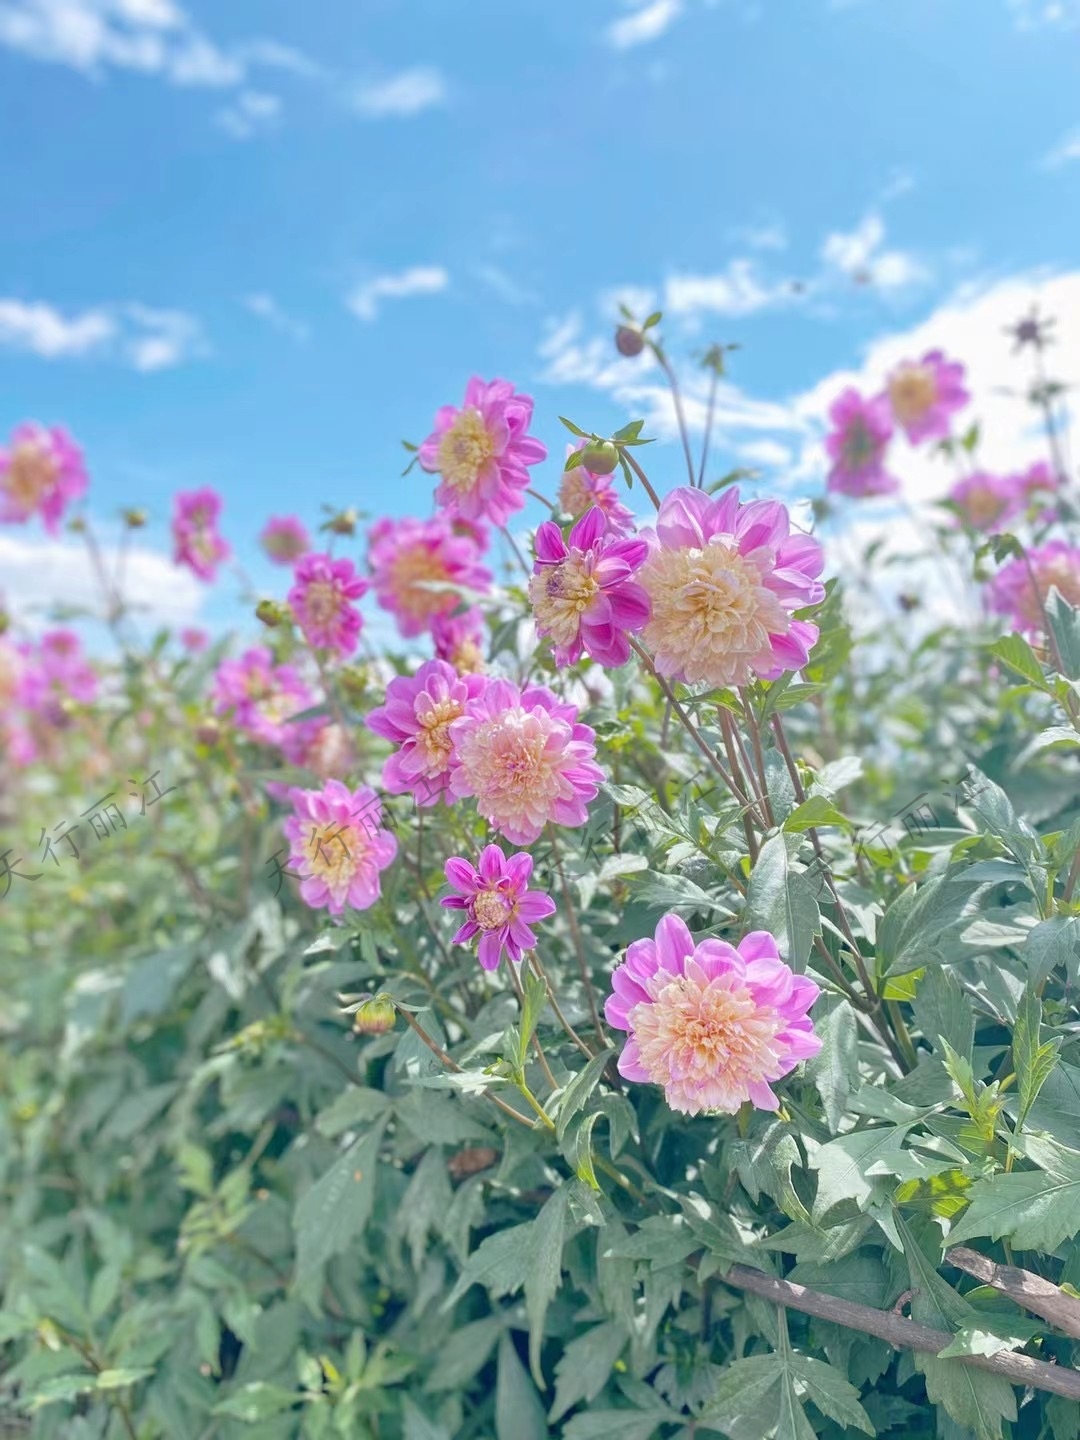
{"x": 600, "y": 457}
{"x": 375, "y": 1015}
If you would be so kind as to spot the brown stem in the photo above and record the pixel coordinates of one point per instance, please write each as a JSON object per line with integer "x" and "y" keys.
{"x": 729, "y": 745}
{"x": 640, "y": 473}
{"x": 541, "y": 974}
{"x": 759, "y": 755}
{"x": 452, "y": 1065}
{"x": 900, "y": 1333}
{"x": 1031, "y": 1291}
{"x": 579, "y": 944}
{"x": 713, "y": 383}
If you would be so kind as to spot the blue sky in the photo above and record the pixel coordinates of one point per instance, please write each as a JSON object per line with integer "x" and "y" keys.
{"x": 255, "y": 245}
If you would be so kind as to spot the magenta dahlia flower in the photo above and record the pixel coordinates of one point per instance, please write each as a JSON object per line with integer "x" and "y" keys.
{"x": 482, "y": 452}
{"x": 64, "y": 667}
{"x": 583, "y": 592}
{"x": 723, "y": 579}
{"x": 925, "y": 394}
{"x": 714, "y": 1024}
{"x": 417, "y": 716}
{"x": 284, "y": 539}
{"x": 196, "y": 541}
{"x": 41, "y": 472}
{"x": 338, "y": 846}
{"x": 857, "y": 445}
{"x": 498, "y": 904}
{"x": 461, "y": 640}
{"x": 1021, "y": 587}
{"x": 321, "y": 599}
{"x": 580, "y": 489}
{"x": 985, "y": 501}
{"x": 260, "y": 696}
{"x": 419, "y": 568}
{"x": 525, "y": 758}
{"x": 193, "y": 639}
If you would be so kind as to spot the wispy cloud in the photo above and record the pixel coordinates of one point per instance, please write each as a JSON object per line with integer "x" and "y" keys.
{"x": 737, "y": 290}
{"x": 407, "y": 93}
{"x": 140, "y": 336}
{"x": 862, "y": 256}
{"x": 364, "y": 301}
{"x": 505, "y": 286}
{"x": 643, "y": 24}
{"x": 254, "y": 112}
{"x": 1064, "y": 152}
{"x": 268, "y": 310}
{"x": 1031, "y": 14}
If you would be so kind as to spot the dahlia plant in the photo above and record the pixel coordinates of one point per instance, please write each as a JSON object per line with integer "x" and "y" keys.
{"x": 640, "y": 1003}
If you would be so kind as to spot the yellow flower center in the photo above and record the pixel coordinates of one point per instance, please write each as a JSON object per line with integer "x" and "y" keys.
{"x": 912, "y": 391}
{"x": 321, "y": 601}
{"x": 465, "y": 449}
{"x": 31, "y": 474}
{"x": 575, "y": 492}
{"x": 333, "y": 855}
{"x": 860, "y": 447}
{"x": 434, "y": 737}
{"x": 711, "y": 614}
{"x": 412, "y": 567}
{"x": 560, "y": 594}
{"x": 490, "y": 910}
{"x": 468, "y": 658}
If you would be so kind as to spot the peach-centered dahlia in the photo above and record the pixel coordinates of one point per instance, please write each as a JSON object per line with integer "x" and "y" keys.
{"x": 321, "y": 599}
{"x": 1021, "y": 587}
{"x": 461, "y": 640}
{"x": 284, "y": 539}
{"x": 498, "y": 904}
{"x": 338, "y": 846}
{"x": 526, "y": 759}
{"x": 482, "y": 452}
{"x": 714, "y": 1024}
{"x": 417, "y": 716}
{"x": 260, "y": 696}
{"x": 41, "y": 472}
{"x": 925, "y": 394}
{"x": 723, "y": 579}
{"x": 419, "y": 567}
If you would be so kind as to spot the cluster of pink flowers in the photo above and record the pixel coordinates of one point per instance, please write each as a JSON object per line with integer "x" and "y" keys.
{"x": 39, "y": 682}
{"x": 260, "y": 696}
{"x": 41, "y": 473}
{"x": 197, "y": 542}
{"x": 419, "y": 712}
{"x": 420, "y": 567}
{"x": 321, "y": 600}
{"x": 920, "y": 396}
{"x": 1021, "y": 587}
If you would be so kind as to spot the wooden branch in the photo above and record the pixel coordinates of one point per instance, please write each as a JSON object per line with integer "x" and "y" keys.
{"x": 1031, "y": 1291}
{"x": 902, "y": 1334}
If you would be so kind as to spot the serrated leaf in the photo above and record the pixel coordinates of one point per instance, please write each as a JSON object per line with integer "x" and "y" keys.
{"x": 1018, "y": 655}
{"x": 335, "y": 1210}
{"x": 843, "y": 1164}
{"x": 1052, "y": 943}
{"x": 780, "y": 900}
{"x": 546, "y": 1239}
{"x": 583, "y": 1369}
{"x": 576, "y": 1094}
{"x": 1032, "y": 1061}
{"x": 831, "y": 1393}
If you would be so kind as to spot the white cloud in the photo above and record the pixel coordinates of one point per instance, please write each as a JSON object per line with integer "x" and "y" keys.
{"x": 505, "y": 286}
{"x": 1030, "y": 14}
{"x": 268, "y": 309}
{"x": 40, "y": 574}
{"x": 364, "y": 301}
{"x": 253, "y": 113}
{"x": 1064, "y": 152}
{"x": 137, "y": 335}
{"x": 644, "y": 24}
{"x": 764, "y": 237}
{"x": 737, "y": 290}
{"x": 860, "y": 255}
{"x": 404, "y": 94}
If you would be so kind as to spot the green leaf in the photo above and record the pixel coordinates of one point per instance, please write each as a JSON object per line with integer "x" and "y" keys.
{"x": 817, "y": 810}
{"x": 119, "y": 1379}
{"x": 576, "y": 1094}
{"x": 943, "y": 1012}
{"x": 585, "y": 1365}
{"x": 833, "y": 1071}
{"x": 611, "y": 1425}
{"x": 910, "y": 931}
{"x": 257, "y": 1401}
{"x": 843, "y": 1166}
{"x": 831, "y": 1393}
{"x": 780, "y": 900}
{"x": 1065, "y": 628}
{"x": 419, "y": 1427}
{"x": 1018, "y": 655}
{"x": 337, "y": 1207}
{"x": 547, "y": 1234}
{"x": 1032, "y": 1209}
{"x": 574, "y": 429}
{"x": 1052, "y": 943}
{"x": 1032, "y": 1061}
{"x": 535, "y": 998}
{"x": 519, "y": 1415}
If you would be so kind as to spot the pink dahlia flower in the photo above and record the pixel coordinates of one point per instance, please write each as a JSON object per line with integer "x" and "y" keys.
{"x": 925, "y": 394}
{"x": 259, "y": 695}
{"x": 714, "y": 1024}
{"x": 419, "y": 568}
{"x": 65, "y": 669}
{"x": 580, "y": 489}
{"x": 985, "y": 501}
{"x": 321, "y": 599}
{"x": 417, "y": 716}
{"x": 41, "y": 472}
{"x": 483, "y": 452}
{"x": 1021, "y": 587}
{"x": 284, "y": 539}
{"x": 196, "y": 542}
{"x": 317, "y": 744}
{"x": 583, "y": 593}
{"x": 857, "y": 444}
{"x": 526, "y": 759}
{"x": 461, "y": 640}
{"x": 498, "y": 904}
{"x": 723, "y": 579}
{"x": 193, "y": 639}
{"x": 338, "y": 846}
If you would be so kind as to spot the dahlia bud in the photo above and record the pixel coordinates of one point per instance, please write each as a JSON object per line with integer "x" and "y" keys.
{"x": 135, "y": 519}
{"x": 628, "y": 341}
{"x": 600, "y": 457}
{"x": 343, "y": 523}
{"x": 272, "y": 613}
{"x": 208, "y": 732}
{"x": 375, "y": 1015}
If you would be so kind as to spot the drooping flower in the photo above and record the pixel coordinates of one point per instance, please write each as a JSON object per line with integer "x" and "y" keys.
{"x": 321, "y": 599}
{"x": 498, "y": 904}
{"x": 986, "y": 501}
{"x": 714, "y": 1024}
{"x": 483, "y": 451}
{"x": 580, "y": 489}
{"x": 526, "y": 759}
{"x": 925, "y": 394}
{"x": 419, "y": 567}
{"x": 41, "y": 472}
{"x": 196, "y": 541}
{"x": 583, "y": 592}
{"x": 461, "y": 640}
{"x": 723, "y": 579}
{"x": 338, "y": 846}
{"x": 1021, "y": 587}
{"x": 857, "y": 445}
{"x": 417, "y": 716}
{"x": 284, "y": 539}
{"x": 260, "y": 696}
